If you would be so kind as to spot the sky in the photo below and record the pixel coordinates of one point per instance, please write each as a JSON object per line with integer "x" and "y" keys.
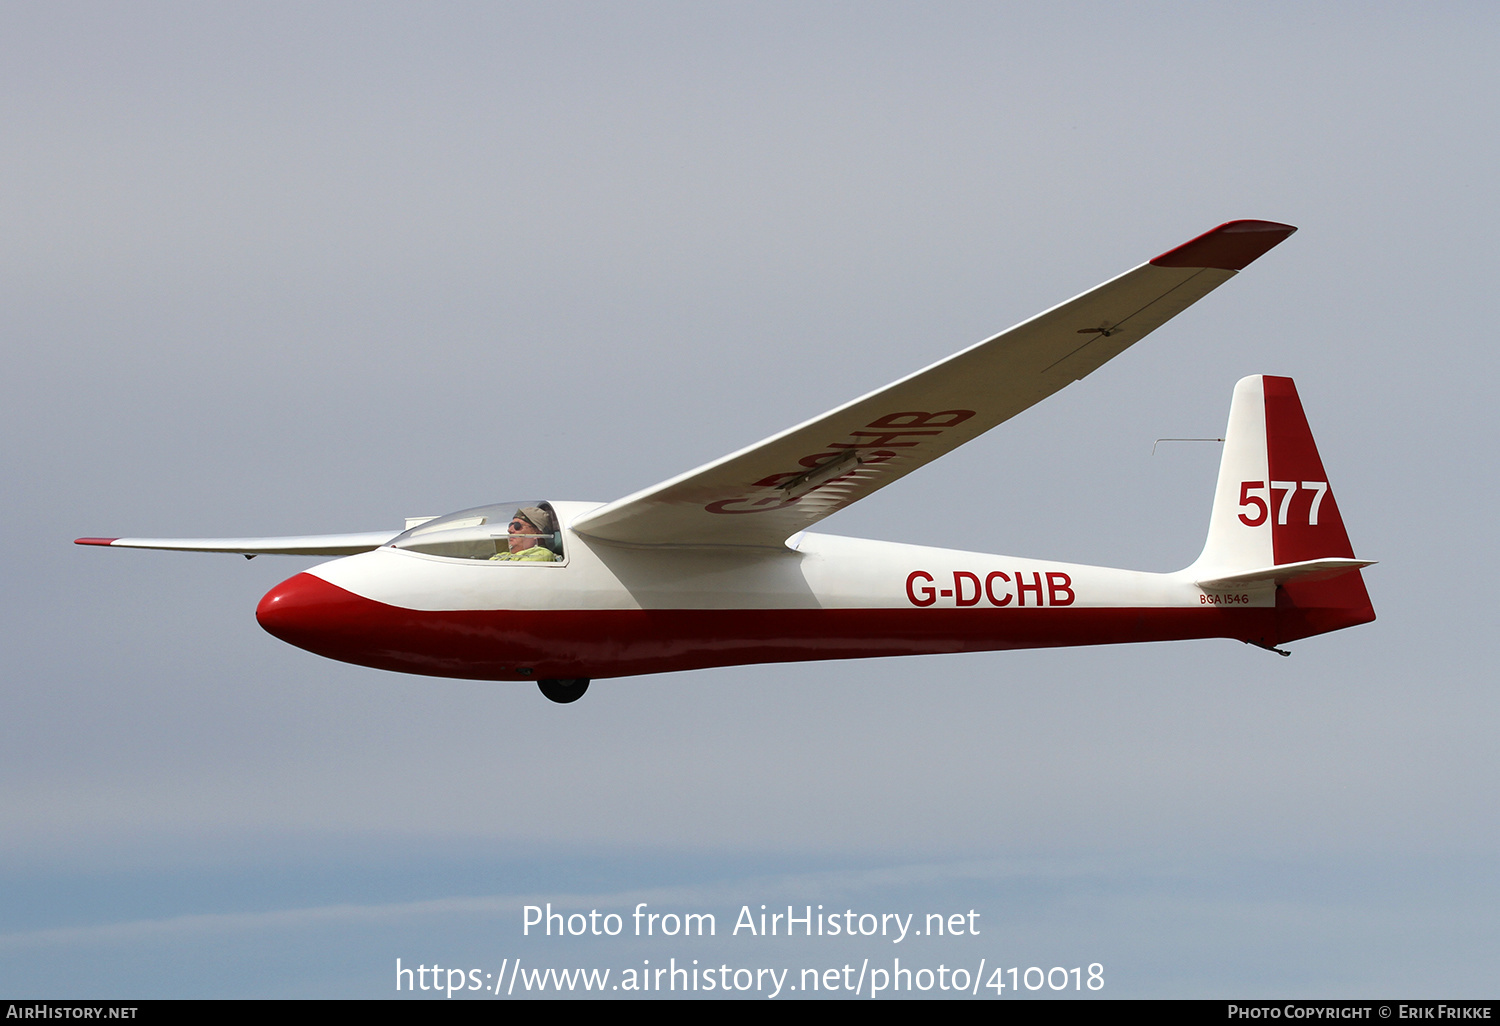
{"x": 287, "y": 268}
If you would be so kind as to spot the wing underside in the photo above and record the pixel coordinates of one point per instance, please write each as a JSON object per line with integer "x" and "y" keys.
{"x": 769, "y": 491}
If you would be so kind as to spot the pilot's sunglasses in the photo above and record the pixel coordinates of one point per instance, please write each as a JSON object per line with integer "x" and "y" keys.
{"x": 522, "y": 525}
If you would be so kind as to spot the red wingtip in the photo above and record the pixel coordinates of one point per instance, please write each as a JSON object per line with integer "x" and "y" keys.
{"x": 94, "y": 541}
{"x": 1229, "y": 247}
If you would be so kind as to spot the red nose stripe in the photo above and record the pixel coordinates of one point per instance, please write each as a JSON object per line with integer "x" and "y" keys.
{"x": 308, "y": 612}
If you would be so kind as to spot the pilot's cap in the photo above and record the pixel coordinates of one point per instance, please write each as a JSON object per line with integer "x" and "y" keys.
{"x": 540, "y": 518}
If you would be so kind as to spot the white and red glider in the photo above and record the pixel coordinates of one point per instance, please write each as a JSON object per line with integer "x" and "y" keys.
{"x": 717, "y": 566}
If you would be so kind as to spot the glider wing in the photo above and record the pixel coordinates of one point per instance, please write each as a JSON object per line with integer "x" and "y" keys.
{"x": 306, "y": 545}
{"x": 763, "y": 494}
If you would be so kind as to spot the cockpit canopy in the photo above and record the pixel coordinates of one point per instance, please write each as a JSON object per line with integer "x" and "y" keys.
{"x": 505, "y": 532}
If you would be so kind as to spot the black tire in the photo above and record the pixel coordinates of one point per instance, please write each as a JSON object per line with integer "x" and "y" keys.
{"x": 564, "y": 691}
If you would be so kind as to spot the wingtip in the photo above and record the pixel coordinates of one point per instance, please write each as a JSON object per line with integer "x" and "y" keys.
{"x": 94, "y": 541}
{"x": 1231, "y": 246}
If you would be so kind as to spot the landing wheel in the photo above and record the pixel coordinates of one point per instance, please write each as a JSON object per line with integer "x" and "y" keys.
{"x": 564, "y": 691}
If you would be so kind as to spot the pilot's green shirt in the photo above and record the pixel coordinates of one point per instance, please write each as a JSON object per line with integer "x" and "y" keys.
{"x": 535, "y": 554}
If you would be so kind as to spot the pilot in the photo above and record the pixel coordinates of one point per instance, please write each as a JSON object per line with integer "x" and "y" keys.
{"x": 527, "y": 528}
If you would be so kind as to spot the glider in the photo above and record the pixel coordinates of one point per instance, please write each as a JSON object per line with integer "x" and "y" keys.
{"x": 717, "y": 566}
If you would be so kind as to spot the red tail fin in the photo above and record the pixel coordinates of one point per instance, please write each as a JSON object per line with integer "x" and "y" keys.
{"x": 1306, "y": 524}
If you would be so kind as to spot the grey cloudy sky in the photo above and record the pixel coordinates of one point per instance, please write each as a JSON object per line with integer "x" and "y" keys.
{"x": 288, "y": 268}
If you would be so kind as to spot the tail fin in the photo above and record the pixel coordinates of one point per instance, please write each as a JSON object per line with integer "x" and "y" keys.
{"x": 1275, "y": 521}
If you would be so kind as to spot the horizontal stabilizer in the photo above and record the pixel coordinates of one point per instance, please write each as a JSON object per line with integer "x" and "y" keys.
{"x": 304, "y": 545}
{"x": 1307, "y": 570}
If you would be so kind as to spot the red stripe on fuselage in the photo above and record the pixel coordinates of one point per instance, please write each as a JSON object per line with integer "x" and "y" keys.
{"x": 310, "y": 613}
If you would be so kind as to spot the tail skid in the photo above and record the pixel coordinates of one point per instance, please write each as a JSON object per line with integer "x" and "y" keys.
{"x": 1275, "y": 523}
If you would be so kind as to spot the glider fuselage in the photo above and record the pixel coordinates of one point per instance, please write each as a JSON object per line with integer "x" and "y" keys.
{"x": 612, "y": 610}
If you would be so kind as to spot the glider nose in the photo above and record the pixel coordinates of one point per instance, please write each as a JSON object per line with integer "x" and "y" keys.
{"x": 303, "y": 609}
